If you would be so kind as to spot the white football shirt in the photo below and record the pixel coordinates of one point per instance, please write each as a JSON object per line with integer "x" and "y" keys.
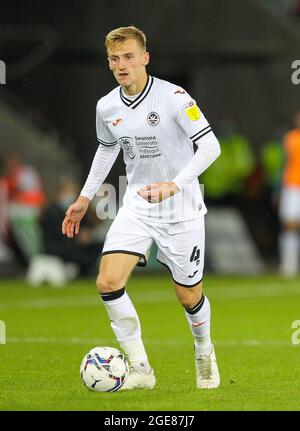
{"x": 156, "y": 131}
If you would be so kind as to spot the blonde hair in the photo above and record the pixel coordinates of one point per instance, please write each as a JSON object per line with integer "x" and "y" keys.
{"x": 121, "y": 34}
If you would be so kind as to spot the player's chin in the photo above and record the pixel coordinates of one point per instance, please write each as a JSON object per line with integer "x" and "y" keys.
{"x": 123, "y": 80}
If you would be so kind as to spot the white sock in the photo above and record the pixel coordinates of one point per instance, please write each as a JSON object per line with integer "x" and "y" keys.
{"x": 199, "y": 321}
{"x": 127, "y": 328}
{"x": 289, "y": 252}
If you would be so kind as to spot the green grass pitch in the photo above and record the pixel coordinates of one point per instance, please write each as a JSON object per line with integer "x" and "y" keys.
{"x": 49, "y": 330}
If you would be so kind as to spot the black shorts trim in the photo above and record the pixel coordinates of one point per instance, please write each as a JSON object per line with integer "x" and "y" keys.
{"x": 142, "y": 263}
{"x": 180, "y": 284}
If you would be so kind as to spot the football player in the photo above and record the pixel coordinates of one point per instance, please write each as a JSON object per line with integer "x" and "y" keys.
{"x": 155, "y": 123}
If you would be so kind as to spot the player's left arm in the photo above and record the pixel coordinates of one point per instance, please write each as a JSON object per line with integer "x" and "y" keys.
{"x": 199, "y": 131}
{"x": 188, "y": 116}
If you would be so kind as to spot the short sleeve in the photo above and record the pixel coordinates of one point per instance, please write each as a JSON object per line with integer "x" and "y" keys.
{"x": 104, "y": 135}
{"x": 188, "y": 116}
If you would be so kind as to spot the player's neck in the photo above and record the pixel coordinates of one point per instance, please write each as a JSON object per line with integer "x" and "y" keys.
{"x": 137, "y": 87}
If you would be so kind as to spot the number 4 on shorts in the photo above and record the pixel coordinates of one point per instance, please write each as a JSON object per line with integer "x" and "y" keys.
{"x": 195, "y": 254}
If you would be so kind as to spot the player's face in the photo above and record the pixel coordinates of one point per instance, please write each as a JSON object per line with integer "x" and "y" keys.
{"x": 127, "y": 62}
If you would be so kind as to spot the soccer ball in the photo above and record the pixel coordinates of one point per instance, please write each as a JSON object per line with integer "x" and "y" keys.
{"x": 104, "y": 369}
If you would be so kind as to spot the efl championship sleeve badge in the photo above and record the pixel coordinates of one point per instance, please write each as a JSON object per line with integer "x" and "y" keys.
{"x": 192, "y": 111}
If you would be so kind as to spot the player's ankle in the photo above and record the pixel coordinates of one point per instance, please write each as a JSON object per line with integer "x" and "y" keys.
{"x": 202, "y": 346}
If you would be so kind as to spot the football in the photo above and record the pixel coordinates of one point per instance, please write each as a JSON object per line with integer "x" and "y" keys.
{"x": 104, "y": 369}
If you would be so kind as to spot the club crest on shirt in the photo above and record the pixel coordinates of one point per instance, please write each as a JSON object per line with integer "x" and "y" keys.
{"x": 192, "y": 110}
{"x": 127, "y": 144}
{"x": 153, "y": 118}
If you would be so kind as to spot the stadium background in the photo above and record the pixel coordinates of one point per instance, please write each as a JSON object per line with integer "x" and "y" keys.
{"x": 235, "y": 58}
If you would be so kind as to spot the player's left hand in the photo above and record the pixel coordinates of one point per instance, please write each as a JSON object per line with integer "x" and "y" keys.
{"x": 158, "y": 192}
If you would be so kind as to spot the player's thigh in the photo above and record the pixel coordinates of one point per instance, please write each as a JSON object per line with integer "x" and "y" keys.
{"x": 129, "y": 235}
{"x": 127, "y": 244}
{"x": 114, "y": 271}
{"x": 181, "y": 249}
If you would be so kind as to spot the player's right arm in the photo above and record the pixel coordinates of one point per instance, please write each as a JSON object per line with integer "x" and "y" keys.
{"x": 103, "y": 161}
{"x": 74, "y": 215}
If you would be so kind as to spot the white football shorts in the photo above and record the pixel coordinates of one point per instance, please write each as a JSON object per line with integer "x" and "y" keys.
{"x": 289, "y": 204}
{"x": 180, "y": 245}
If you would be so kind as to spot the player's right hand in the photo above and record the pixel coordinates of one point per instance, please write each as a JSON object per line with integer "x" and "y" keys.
{"x": 74, "y": 215}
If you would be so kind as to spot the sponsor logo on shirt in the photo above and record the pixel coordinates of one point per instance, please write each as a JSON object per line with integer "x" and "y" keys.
{"x": 148, "y": 147}
{"x": 192, "y": 111}
{"x": 153, "y": 118}
{"x": 145, "y": 146}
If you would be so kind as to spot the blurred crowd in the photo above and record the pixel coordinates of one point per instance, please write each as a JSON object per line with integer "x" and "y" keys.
{"x": 30, "y": 222}
{"x": 264, "y": 186}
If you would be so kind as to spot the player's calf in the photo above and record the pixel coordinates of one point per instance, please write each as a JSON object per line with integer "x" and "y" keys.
{"x": 198, "y": 317}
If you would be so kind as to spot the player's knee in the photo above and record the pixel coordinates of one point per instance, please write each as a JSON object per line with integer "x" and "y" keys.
{"x": 109, "y": 282}
{"x": 189, "y": 301}
{"x": 189, "y": 297}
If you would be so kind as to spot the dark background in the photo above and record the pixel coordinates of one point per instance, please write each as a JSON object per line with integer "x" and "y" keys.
{"x": 233, "y": 56}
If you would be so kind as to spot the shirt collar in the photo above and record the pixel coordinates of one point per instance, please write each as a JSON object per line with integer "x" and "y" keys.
{"x": 135, "y": 103}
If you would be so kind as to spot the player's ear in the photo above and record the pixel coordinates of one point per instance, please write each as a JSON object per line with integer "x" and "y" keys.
{"x": 146, "y": 58}
{"x": 109, "y": 65}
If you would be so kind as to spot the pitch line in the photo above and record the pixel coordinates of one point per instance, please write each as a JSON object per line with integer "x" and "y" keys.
{"x": 222, "y": 293}
{"x": 169, "y": 341}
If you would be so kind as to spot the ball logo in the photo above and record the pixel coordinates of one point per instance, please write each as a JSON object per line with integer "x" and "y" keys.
{"x": 153, "y": 118}
{"x": 128, "y": 147}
